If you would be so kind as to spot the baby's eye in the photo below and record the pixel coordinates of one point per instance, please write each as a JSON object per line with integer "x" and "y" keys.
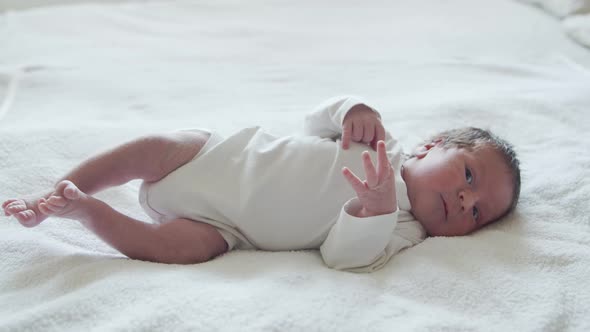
{"x": 468, "y": 175}
{"x": 475, "y": 213}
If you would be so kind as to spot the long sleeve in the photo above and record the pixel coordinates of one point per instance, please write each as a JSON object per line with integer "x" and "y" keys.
{"x": 326, "y": 120}
{"x": 361, "y": 244}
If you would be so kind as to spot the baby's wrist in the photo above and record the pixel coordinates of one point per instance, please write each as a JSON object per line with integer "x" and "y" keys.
{"x": 364, "y": 213}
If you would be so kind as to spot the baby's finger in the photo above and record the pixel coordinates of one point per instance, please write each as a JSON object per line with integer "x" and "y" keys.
{"x": 355, "y": 182}
{"x": 379, "y": 133}
{"x": 346, "y": 133}
{"x": 357, "y": 132}
{"x": 372, "y": 179}
{"x": 368, "y": 132}
{"x": 384, "y": 165}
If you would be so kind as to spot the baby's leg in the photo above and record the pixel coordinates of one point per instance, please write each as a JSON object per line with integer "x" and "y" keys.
{"x": 180, "y": 241}
{"x": 149, "y": 158}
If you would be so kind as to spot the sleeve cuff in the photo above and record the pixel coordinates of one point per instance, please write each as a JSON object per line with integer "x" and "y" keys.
{"x": 382, "y": 222}
{"x": 355, "y": 242}
{"x": 351, "y": 102}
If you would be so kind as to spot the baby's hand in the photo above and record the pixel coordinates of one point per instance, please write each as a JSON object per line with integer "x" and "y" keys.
{"x": 377, "y": 193}
{"x": 362, "y": 124}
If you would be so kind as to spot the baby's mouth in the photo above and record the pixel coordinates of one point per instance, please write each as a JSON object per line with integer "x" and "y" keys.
{"x": 445, "y": 207}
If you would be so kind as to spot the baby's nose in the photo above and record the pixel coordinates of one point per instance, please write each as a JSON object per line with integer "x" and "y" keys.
{"x": 466, "y": 200}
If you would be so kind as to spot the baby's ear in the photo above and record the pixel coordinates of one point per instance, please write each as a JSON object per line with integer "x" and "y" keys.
{"x": 422, "y": 150}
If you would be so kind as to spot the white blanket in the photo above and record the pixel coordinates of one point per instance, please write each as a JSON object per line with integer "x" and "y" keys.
{"x": 77, "y": 79}
{"x": 575, "y": 15}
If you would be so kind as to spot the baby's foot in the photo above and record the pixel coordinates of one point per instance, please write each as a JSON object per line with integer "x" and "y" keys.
{"x": 67, "y": 201}
{"x": 25, "y": 209}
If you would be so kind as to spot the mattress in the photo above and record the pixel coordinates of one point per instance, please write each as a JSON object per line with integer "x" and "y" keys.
{"x": 76, "y": 78}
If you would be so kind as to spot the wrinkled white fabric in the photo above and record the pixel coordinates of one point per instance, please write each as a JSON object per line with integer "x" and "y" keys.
{"x": 288, "y": 193}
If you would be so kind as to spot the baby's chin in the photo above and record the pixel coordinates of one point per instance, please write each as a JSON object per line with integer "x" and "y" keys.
{"x": 434, "y": 231}
{"x": 440, "y": 228}
{"x": 432, "y": 225}
{"x": 430, "y": 229}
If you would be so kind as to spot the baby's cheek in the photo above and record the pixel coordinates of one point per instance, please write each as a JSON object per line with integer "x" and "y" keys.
{"x": 470, "y": 227}
{"x": 460, "y": 227}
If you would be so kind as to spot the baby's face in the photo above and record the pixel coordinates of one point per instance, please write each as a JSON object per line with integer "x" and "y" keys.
{"x": 454, "y": 191}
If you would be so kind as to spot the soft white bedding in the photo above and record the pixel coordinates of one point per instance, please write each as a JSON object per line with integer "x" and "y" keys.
{"x": 77, "y": 79}
{"x": 575, "y": 16}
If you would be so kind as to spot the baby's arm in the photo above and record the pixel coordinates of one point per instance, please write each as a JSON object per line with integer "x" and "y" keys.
{"x": 346, "y": 116}
{"x": 361, "y": 235}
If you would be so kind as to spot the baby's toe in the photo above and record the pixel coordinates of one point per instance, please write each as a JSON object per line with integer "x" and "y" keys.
{"x": 15, "y": 207}
{"x": 42, "y": 206}
{"x": 24, "y": 215}
{"x": 68, "y": 190}
{"x": 47, "y": 208}
{"x": 16, "y": 203}
{"x": 57, "y": 201}
{"x": 27, "y": 218}
{"x": 72, "y": 193}
{"x": 5, "y": 204}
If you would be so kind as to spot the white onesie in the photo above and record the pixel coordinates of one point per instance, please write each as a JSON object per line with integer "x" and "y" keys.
{"x": 287, "y": 193}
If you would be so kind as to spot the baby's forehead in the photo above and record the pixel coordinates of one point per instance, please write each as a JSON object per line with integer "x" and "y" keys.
{"x": 484, "y": 151}
{"x": 490, "y": 160}
{"x": 494, "y": 166}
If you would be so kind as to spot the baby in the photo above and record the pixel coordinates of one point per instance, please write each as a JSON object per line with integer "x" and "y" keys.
{"x": 254, "y": 190}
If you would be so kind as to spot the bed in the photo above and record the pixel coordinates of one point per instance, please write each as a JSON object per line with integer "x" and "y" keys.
{"x": 76, "y": 78}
